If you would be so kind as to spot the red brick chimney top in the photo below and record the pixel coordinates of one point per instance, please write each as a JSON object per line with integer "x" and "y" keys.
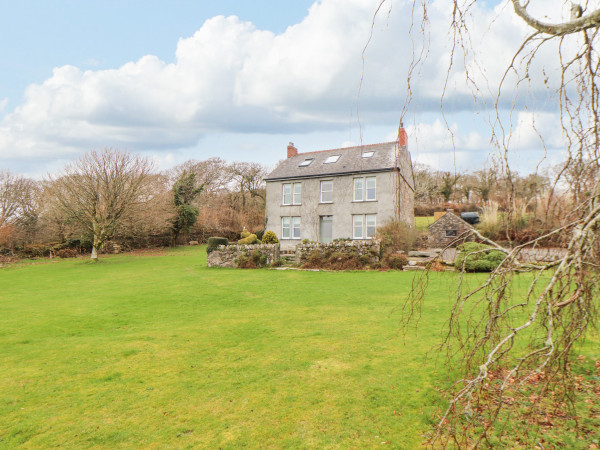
{"x": 402, "y": 136}
{"x": 291, "y": 150}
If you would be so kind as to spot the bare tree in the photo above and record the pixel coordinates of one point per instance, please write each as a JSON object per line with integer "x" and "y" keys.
{"x": 426, "y": 183}
{"x": 212, "y": 173}
{"x": 448, "y": 185}
{"x": 14, "y": 191}
{"x": 516, "y": 350}
{"x": 99, "y": 189}
{"x": 486, "y": 179}
{"x": 19, "y": 206}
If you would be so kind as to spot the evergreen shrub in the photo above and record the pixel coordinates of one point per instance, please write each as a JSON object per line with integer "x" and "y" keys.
{"x": 214, "y": 242}
{"x": 475, "y": 257}
{"x": 249, "y": 240}
{"x": 269, "y": 238}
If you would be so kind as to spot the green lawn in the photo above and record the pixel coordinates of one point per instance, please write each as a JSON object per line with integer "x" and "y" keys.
{"x": 421, "y": 223}
{"x": 156, "y": 350}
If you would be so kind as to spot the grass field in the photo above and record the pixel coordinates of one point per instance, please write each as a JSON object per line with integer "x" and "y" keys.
{"x": 421, "y": 223}
{"x": 156, "y": 350}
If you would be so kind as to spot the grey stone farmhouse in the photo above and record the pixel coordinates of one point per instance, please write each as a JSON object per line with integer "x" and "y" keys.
{"x": 340, "y": 193}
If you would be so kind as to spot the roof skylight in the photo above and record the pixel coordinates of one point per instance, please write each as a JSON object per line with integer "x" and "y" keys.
{"x": 368, "y": 154}
{"x": 306, "y": 162}
{"x": 331, "y": 159}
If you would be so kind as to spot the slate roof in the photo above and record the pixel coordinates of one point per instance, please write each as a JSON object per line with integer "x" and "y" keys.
{"x": 451, "y": 218}
{"x": 351, "y": 161}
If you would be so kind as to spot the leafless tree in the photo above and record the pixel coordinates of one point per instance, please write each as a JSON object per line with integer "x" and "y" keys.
{"x": 248, "y": 177}
{"x": 14, "y": 196}
{"x": 99, "y": 189}
{"x": 19, "y": 205}
{"x": 212, "y": 173}
{"x": 516, "y": 350}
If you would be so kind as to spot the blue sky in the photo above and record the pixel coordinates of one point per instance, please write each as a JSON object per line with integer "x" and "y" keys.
{"x": 101, "y": 34}
{"x": 177, "y": 80}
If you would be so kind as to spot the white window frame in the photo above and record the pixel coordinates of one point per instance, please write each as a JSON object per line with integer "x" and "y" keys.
{"x": 368, "y": 154}
{"x": 367, "y": 194}
{"x": 365, "y": 224}
{"x": 356, "y": 190}
{"x": 358, "y": 227}
{"x": 289, "y": 194}
{"x": 373, "y": 226}
{"x": 374, "y": 189}
{"x": 286, "y": 224}
{"x": 323, "y": 191}
{"x": 296, "y": 231}
{"x": 306, "y": 162}
{"x": 297, "y": 201}
{"x": 332, "y": 159}
{"x": 291, "y": 227}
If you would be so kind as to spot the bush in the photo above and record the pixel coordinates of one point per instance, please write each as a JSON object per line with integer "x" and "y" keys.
{"x": 258, "y": 258}
{"x": 278, "y": 262}
{"x": 66, "y": 253}
{"x": 260, "y": 234}
{"x": 396, "y": 236}
{"x": 254, "y": 260}
{"x": 269, "y": 238}
{"x": 214, "y": 242}
{"x": 249, "y": 240}
{"x": 244, "y": 234}
{"x": 476, "y": 257}
{"x": 335, "y": 260}
{"x": 394, "y": 261}
{"x": 244, "y": 262}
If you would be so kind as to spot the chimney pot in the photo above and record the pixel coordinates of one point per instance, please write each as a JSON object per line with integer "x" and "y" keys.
{"x": 291, "y": 150}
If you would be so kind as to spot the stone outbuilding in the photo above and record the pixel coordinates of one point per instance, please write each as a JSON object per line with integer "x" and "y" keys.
{"x": 447, "y": 229}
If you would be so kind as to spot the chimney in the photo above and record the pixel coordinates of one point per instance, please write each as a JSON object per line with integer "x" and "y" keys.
{"x": 402, "y": 136}
{"x": 291, "y": 150}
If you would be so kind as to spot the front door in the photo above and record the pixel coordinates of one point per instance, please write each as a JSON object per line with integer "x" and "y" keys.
{"x": 326, "y": 227}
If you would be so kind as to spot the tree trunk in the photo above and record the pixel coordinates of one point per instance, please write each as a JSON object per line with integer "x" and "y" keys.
{"x": 96, "y": 244}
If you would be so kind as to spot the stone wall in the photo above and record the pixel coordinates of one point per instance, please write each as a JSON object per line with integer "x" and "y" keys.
{"x": 444, "y": 231}
{"x": 370, "y": 248}
{"x": 226, "y": 255}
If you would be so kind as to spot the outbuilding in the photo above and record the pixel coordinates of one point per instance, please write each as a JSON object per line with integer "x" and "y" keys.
{"x": 447, "y": 229}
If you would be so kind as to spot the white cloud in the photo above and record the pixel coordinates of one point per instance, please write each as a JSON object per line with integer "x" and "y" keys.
{"x": 230, "y": 77}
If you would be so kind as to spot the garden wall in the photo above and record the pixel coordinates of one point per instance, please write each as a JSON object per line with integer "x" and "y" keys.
{"x": 226, "y": 255}
{"x": 370, "y": 249}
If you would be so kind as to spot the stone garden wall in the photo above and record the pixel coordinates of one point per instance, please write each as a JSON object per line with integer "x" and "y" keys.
{"x": 370, "y": 249}
{"x": 227, "y": 255}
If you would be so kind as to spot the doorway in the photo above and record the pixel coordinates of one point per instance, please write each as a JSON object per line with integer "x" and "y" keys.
{"x": 326, "y": 227}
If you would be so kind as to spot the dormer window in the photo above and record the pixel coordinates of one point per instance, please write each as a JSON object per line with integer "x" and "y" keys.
{"x": 306, "y": 162}
{"x": 331, "y": 159}
{"x": 368, "y": 154}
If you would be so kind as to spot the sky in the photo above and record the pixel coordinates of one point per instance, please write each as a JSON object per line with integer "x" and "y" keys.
{"x": 186, "y": 79}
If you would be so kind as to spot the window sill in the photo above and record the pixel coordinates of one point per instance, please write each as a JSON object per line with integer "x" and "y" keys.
{"x": 364, "y": 201}
{"x": 325, "y": 203}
